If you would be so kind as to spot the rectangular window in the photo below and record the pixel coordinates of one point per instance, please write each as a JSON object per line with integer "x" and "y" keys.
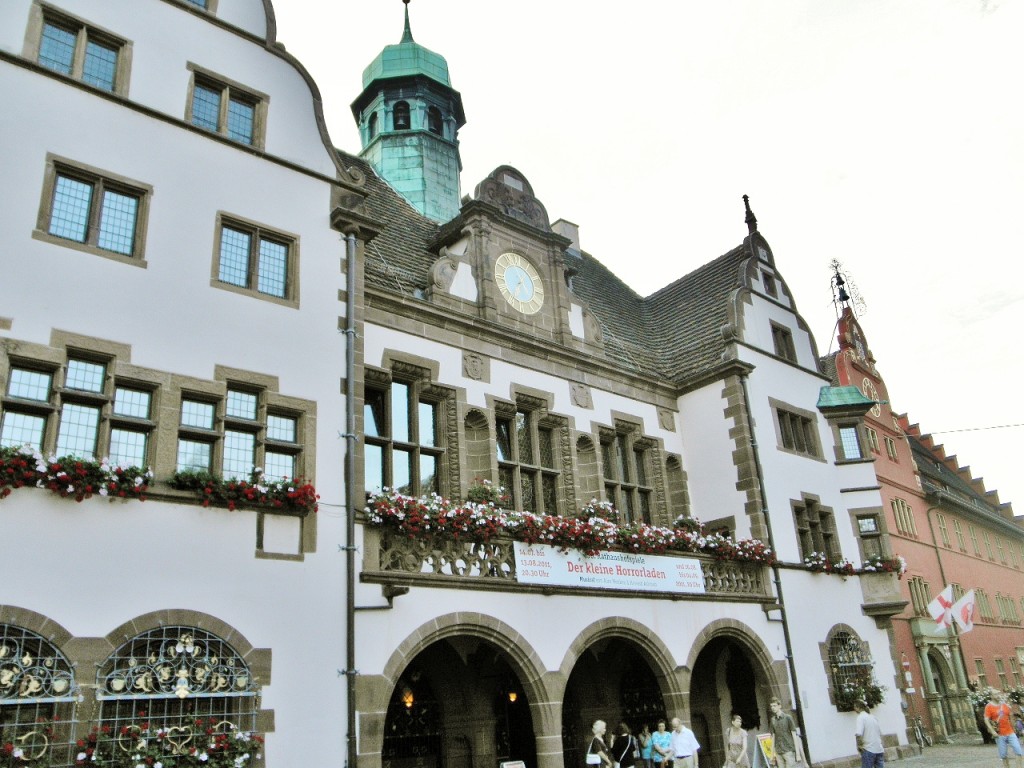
{"x": 782, "y": 338}
{"x": 988, "y": 545}
{"x": 903, "y": 514}
{"x": 1001, "y": 673}
{"x": 850, "y": 442}
{"x": 979, "y": 672}
{"x": 797, "y": 433}
{"x": 890, "y": 448}
{"x": 226, "y": 108}
{"x": 941, "y": 520}
{"x": 974, "y": 540}
{"x": 250, "y": 433}
{"x": 256, "y": 260}
{"x": 1001, "y": 549}
{"x": 919, "y": 595}
{"x": 958, "y": 529}
{"x": 872, "y": 439}
{"x": 984, "y": 606}
{"x": 82, "y": 51}
{"x": 528, "y": 460}
{"x": 1015, "y": 670}
{"x": 870, "y": 535}
{"x": 401, "y": 446}
{"x": 625, "y": 462}
{"x": 816, "y": 530}
{"x": 768, "y": 281}
{"x": 100, "y": 212}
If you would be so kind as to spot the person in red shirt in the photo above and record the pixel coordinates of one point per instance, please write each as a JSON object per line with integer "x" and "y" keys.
{"x": 998, "y": 716}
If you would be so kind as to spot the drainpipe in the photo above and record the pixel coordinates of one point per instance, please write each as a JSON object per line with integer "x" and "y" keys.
{"x": 350, "y": 495}
{"x": 776, "y": 571}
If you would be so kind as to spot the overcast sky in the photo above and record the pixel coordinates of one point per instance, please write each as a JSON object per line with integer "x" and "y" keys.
{"x": 883, "y": 133}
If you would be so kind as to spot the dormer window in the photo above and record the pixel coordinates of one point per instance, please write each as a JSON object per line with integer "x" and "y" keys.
{"x": 434, "y": 124}
{"x": 401, "y": 116}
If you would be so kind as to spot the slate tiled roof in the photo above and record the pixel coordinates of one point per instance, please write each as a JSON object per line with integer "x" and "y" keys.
{"x": 673, "y": 334}
{"x": 827, "y": 366}
{"x": 937, "y": 473}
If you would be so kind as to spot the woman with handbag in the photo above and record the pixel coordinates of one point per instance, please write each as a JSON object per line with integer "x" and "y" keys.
{"x": 625, "y": 750}
{"x": 597, "y": 752}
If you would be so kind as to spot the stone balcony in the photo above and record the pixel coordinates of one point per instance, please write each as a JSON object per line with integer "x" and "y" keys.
{"x": 390, "y": 559}
{"x": 882, "y": 596}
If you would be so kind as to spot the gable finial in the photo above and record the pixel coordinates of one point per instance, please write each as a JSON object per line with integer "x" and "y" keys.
{"x": 750, "y": 218}
{"x": 407, "y": 34}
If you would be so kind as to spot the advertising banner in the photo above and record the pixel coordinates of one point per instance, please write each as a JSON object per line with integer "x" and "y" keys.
{"x": 544, "y": 564}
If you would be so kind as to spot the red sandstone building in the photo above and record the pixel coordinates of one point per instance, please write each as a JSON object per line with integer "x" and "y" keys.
{"x": 950, "y": 530}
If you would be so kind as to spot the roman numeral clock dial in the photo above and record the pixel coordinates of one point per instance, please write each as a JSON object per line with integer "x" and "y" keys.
{"x": 519, "y": 282}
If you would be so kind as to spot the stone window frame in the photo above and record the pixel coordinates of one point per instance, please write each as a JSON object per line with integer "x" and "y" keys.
{"x": 820, "y": 534}
{"x": 44, "y": 13}
{"x": 118, "y": 376}
{"x": 421, "y": 375}
{"x": 201, "y": 6}
{"x": 782, "y": 342}
{"x": 872, "y": 535}
{"x": 940, "y": 519}
{"x": 785, "y": 417}
{"x": 101, "y": 181}
{"x": 230, "y": 90}
{"x": 920, "y": 595}
{"x": 959, "y": 531}
{"x": 270, "y": 402}
{"x": 832, "y": 657}
{"x": 257, "y": 233}
{"x": 903, "y": 514}
{"x": 625, "y": 449}
{"x": 534, "y": 406}
{"x": 890, "y": 449}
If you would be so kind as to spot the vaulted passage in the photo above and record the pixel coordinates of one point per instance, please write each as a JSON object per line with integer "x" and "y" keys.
{"x": 458, "y": 704}
{"x": 612, "y": 682}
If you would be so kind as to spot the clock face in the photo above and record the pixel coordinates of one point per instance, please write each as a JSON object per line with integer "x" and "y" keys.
{"x": 867, "y": 387}
{"x": 519, "y": 282}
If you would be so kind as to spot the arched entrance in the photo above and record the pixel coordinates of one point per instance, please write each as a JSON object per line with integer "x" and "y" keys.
{"x": 939, "y": 706}
{"x": 727, "y": 678}
{"x": 458, "y": 704}
{"x": 610, "y": 681}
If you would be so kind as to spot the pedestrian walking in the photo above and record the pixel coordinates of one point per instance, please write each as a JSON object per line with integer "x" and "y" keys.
{"x": 869, "y": 738}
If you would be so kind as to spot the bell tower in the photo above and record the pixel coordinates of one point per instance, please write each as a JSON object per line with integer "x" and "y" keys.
{"x": 409, "y": 118}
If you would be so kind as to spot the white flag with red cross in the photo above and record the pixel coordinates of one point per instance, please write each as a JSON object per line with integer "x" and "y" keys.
{"x": 963, "y": 612}
{"x": 941, "y": 608}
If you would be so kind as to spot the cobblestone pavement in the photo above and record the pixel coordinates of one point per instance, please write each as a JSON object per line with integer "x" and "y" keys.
{"x": 955, "y": 755}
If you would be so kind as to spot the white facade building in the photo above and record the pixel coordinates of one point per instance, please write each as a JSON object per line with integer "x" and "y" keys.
{"x": 181, "y": 240}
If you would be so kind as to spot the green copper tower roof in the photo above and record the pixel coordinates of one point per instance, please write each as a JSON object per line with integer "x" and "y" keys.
{"x": 407, "y": 59}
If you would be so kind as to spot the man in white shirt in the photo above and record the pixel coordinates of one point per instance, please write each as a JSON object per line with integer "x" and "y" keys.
{"x": 684, "y": 745}
{"x": 869, "y": 738}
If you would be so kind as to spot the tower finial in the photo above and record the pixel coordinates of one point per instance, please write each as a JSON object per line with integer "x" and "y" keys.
{"x": 750, "y": 218}
{"x": 407, "y": 34}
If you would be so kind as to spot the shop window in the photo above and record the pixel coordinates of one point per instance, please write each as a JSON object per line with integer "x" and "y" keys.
{"x": 38, "y": 697}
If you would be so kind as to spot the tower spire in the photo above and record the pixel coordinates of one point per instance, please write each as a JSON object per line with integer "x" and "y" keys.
{"x": 750, "y": 218}
{"x": 407, "y": 34}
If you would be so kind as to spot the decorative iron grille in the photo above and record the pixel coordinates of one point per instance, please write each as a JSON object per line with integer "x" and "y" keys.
{"x": 38, "y": 695}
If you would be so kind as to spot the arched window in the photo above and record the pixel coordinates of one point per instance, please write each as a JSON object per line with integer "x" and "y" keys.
{"x": 371, "y": 126}
{"x": 37, "y": 699}
{"x": 182, "y": 680}
{"x": 401, "y": 116}
{"x": 852, "y": 672}
{"x": 434, "y": 123}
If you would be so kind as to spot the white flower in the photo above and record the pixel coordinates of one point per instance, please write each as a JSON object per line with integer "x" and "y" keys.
{"x": 138, "y": 481}
{"x": 18, "y": 753}
{"x": 158, "y": 764}
{"x": 71, "y": 489}
{"x": 203, "y": 757}
{"x": 80, "y": 756}
{"x": 103, "y": 490}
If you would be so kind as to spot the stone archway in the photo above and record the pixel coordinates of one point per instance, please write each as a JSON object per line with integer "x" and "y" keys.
{"x": 615, "y": 671}
{"x": 732, "y": 673}
{"x": 462, "y": 691}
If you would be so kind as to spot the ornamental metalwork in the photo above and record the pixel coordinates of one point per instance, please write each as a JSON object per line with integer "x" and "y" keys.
{"x": 179, "y": 661}
{"x": 38, "y": 696}
{"x": 447, "y": 557}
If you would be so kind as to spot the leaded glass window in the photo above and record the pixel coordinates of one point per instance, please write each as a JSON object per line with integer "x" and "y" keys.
{"x": 90, "y": 210}
{"x": 402, "y": 446}
{"x": 625, "y": 459}
{"x": 256, "y": 260}
{"x": 527, "y": 452}
{"x": 79, "y": 51}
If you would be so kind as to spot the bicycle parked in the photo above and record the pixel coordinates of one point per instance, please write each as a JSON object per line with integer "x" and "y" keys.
{"x": 922, "y": 736}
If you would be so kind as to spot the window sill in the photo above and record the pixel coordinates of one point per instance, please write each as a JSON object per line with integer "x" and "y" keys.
{"x": 46, "y": 237}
